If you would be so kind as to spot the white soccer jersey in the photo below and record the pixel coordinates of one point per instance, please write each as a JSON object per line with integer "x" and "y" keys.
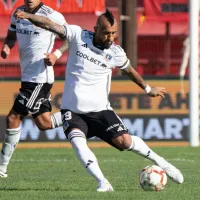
{"x": 33, "y": 42}
{"x": 88, "y": 72}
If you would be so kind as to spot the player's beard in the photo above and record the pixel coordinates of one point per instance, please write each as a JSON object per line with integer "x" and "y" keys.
{"x": 103, "y": 44}
{"x": 107, "y": 45}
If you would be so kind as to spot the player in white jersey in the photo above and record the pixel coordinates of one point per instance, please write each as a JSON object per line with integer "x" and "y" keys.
{"x": 85, "y": 108}
{"x": 37, "y": 76}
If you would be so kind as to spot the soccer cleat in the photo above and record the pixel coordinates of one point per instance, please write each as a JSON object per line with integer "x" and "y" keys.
{"x": 104, "y": 187}
{"x": 172, "y": 172}
{"x": 3, "y": 175}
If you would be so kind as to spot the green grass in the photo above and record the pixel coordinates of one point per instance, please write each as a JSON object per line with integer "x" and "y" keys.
{"x": 57, "y": 174}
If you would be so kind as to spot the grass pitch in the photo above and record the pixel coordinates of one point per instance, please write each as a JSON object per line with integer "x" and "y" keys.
{"x": 57, "y": 174}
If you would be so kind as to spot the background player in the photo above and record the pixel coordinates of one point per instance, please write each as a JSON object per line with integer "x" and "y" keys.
{"x": 36, "y": 75}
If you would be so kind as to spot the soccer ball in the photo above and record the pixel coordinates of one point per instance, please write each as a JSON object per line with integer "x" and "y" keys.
{"x": 152, "y": 178}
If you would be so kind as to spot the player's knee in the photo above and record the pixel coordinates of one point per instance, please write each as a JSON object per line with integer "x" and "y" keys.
{"x": 44, "y": 126}
{"x": 12, "y": 120}
{"x": 43, "y": 122}
{"x": 123, "y": 141}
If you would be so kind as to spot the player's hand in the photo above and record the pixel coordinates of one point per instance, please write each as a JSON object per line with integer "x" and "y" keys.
{"x": 5, "y": 51}
{"x": 157, "y": 91}
{"x": 19, "y": 14}
{"x": 50, "y": 59}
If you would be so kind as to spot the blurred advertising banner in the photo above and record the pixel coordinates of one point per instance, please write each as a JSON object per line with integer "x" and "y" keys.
{"x": 152, "y": 119}
{"x": 166, "y": 10}
{"x": 64, "y": 6}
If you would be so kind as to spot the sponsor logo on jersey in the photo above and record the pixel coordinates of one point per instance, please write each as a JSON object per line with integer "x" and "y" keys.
{"x": 36, "y": 33}
{"x": 84, "y": 45}
{"x": 87, "y": 57}
{"x": 27, "y": 32}
{"x": 104, "y": 66}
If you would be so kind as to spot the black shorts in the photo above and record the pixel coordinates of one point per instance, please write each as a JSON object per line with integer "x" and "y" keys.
{"x": 33, "y": 98}
{"x": 105, "y": 124}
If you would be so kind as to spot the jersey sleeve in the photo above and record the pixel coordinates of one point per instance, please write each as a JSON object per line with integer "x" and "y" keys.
{"x": 121, "y": 60}
{"x": 12, "y": 26}
{"x": 72, "y": 32}
{"x": 57, "y": 17}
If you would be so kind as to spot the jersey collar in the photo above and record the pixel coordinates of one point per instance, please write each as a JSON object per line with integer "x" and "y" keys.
{"x": 101, "y": 47}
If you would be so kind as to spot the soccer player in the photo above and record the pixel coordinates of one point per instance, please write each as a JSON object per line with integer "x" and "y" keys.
{"x": 85, "y": 108}
{"x": 37, "y": 76}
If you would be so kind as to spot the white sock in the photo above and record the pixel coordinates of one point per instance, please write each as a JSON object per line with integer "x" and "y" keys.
{"x": 87, "y": 158}
{"x": 11, "y": 139}
{"x": 56, "y": 120}
{"x": 139, "y": 146}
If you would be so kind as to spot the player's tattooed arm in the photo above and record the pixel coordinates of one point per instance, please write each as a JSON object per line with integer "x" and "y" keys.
{"x": 134, "y": 76}
{"x": 42, "y": 22}
{"x": 151, "y": 91}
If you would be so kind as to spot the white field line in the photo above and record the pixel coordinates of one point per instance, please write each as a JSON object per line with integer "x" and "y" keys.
{"x": 180, "y": 160}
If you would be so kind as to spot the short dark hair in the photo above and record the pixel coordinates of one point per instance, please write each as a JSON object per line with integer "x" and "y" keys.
{"x": 109, "y": 16}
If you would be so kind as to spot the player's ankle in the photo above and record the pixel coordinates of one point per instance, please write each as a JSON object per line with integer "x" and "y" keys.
{"x": 104, "y": 180}
{"x": 3, "y": 168}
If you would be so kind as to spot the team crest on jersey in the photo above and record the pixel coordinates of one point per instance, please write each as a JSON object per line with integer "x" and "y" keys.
{"x": 108, "y": 57}
{"x": 8, "y": 4}
{"x": 86, "y": 34}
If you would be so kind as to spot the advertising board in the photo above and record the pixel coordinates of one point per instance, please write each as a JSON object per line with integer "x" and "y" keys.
{"x": 149, "y": 118}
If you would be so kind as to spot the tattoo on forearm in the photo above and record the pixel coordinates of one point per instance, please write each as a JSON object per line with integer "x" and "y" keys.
{"x": 47, "y": 24}
{"x": 134, "y": 76}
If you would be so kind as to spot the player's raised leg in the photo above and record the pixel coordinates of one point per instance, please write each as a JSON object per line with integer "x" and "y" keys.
{"x": 137, "y": 145}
